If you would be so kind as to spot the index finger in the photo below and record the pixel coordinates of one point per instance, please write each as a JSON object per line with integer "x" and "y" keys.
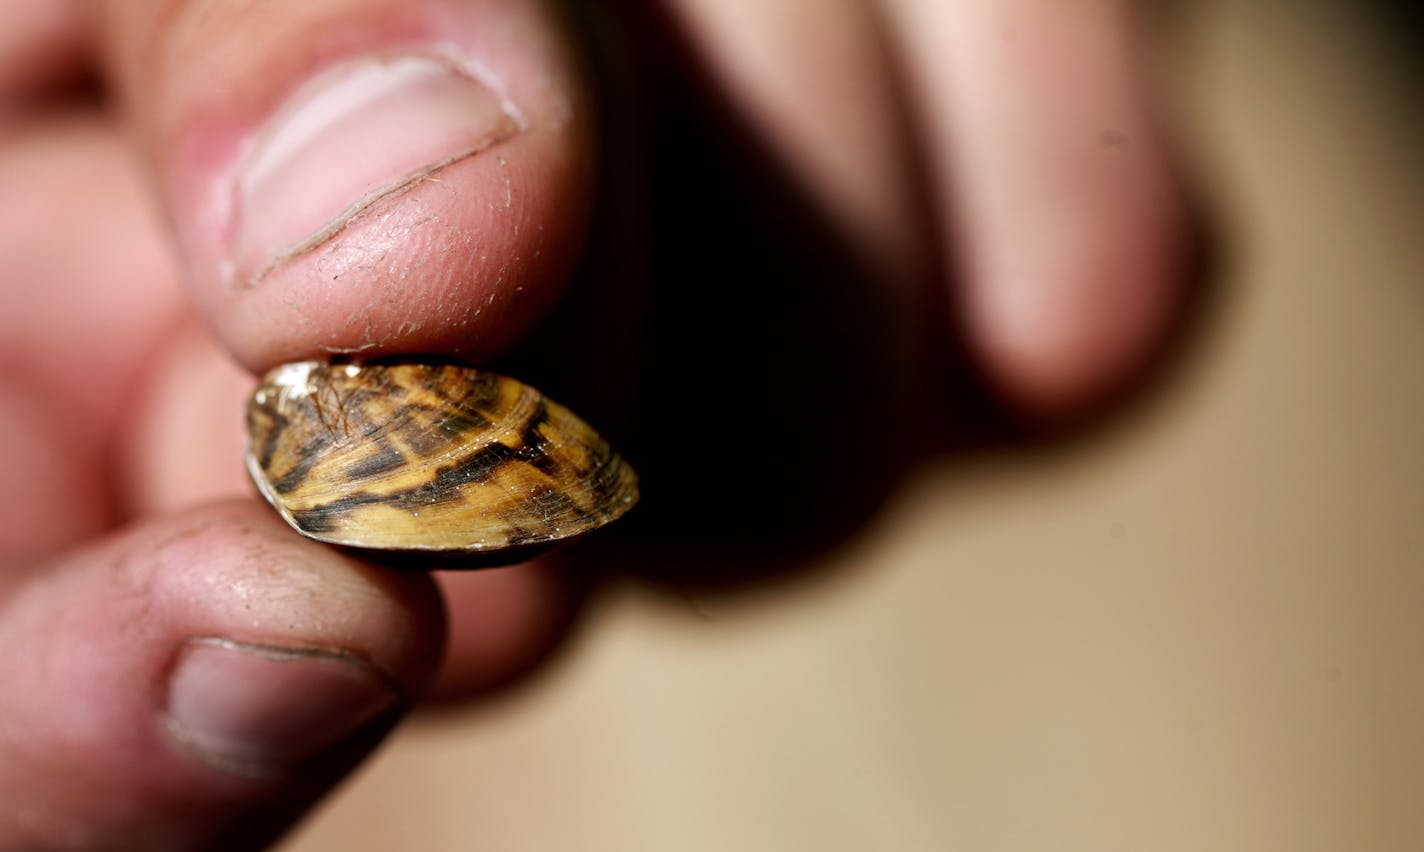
{"x": 359, "y": 176}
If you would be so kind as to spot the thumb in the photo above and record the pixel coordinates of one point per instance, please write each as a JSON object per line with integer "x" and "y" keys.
{"x": 198, "y": 681}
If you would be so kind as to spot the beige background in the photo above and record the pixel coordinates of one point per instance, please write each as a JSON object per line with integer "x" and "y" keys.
{"x": 1204, "y": 630}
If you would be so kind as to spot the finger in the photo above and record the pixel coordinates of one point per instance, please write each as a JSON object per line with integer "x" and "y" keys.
{"x": 1057, "y": 187}
{"x": 815, "y": 79}
{"x": 359, "y": 175}
{"x": 86, "y": 287}
{"x": 198, "y": 681}
{"x": 87, "y": 281}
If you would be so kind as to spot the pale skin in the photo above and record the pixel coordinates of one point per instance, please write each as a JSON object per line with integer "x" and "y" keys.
{"x": 115, "y": 404}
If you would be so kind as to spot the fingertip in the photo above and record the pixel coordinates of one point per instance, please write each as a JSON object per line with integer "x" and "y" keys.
{"x": 1076, "y": 319}
{"x": 504, "y": 623}
{"x": 378, "y": 177}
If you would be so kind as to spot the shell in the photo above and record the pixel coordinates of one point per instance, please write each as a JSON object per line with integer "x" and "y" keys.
{"x": 434, "y": 458}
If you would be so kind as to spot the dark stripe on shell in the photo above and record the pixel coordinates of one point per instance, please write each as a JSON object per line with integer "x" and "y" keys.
{"x": 323, "y": 518}
{"x": 384, "y": 460}
{"x": 448, "y": 481}
{"x": 273, "y": 429}
{"x": 293, "y": 479}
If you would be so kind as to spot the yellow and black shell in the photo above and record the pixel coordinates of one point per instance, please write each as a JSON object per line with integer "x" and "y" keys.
{"x": 436, "y": 458}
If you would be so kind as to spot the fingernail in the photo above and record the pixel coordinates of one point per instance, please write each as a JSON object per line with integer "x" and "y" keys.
{"x": 353, "y": 135}
{"x": 254, "y": 710}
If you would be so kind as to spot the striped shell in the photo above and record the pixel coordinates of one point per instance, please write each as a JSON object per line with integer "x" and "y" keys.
{"x": 429, "y": 458}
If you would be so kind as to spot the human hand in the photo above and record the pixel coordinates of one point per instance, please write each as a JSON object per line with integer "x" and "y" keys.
{"x": 180, "y": 678}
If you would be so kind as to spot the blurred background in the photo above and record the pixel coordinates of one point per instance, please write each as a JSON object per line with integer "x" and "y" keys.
{"x": 1200, "y": 628}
